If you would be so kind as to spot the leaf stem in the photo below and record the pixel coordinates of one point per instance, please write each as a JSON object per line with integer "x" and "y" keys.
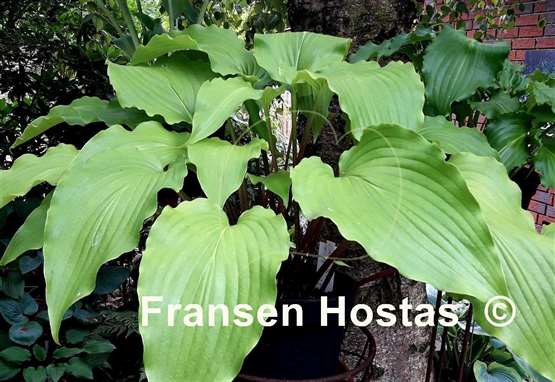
{"x": 129, "y": 22}
{"x": 204, "y": 6}
{"x": 141, "y": 14}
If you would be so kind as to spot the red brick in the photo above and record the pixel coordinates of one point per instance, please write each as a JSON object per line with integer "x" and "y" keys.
{"x": 550, "y": 17}
{"x": 550, "y": 211}
{"x": 520, "y": 55}
{"x": 543, "y": 197}
{"x": 508, "y": 33}
{"x": 470, "y": 34}
{"x": 527, "y": 20}
{"x": 530, "y": 31}
{"x": 537, "y": 207}
{"x": 545, "y": 42}
{"x": 549, "y": 30}
{"x": 539, "y": 7}
{"x": 550, "y": 5}
{"x": 523, "y": 43}
{"x": 468, "y": 25}
{"x": 545, "y": 219}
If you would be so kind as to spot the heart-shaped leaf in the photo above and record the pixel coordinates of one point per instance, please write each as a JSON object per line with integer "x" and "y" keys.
{"x": 226, "y": 52}
{"x": 25, "y": 333}
{"x": 393, "y": 94}
{"x": 168, "y": 88}
{"x": 282, "y": 55}
{"x": 207, "y": 261}
{"x": 456, "y": 66}
{"x": 398, "y": 198}
{"x": 34, "y": 374}
{"x": 55, "y": 372}
{"x": 221, "y": 166}
{"x": 98, "y": 209}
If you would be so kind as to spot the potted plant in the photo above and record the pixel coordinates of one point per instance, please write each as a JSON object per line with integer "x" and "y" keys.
{"x": 456, "y": 224}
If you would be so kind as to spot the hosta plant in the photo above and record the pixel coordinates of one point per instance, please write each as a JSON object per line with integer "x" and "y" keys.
{"x": 455, "y": 223}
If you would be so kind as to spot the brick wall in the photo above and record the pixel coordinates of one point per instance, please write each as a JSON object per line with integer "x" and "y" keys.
{"x": 528, "y": 36}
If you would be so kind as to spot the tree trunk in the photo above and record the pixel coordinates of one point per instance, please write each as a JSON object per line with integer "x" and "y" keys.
{"x": 402, "y": 351}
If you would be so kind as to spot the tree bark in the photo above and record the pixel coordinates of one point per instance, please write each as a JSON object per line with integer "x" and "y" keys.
{"x": 402, "y": 351}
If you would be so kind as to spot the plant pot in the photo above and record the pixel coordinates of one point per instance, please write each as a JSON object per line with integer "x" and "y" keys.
{"x": 302, "y": 352}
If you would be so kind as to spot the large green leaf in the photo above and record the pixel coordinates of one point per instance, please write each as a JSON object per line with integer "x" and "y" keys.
{"x": 282, "y": 55}
{"x": 507, "y": 135}
{"x": 226, "y": 52}
{"x": 453, "y": 139}
{"x": 408, "y": 208}
{"x": 168, "y": 88}
{"x": 456, "y": 66}
{"x": 221, "y": 166}
{"x": 29, "y": 235}
{"x": 30, "y": 170}
{"x": 544, "y": 161}
{"x": 207, "y": 261}
{"x": 98, "y": 209}
{"x": 393, "y": 94}
{"x": 527, "y": 261}
{"x": 81, "y": 112}
{"x": 228, "y": 95}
